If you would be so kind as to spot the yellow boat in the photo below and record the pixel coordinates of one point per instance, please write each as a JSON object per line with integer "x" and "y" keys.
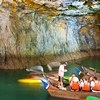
{"x": 29, "y": 80}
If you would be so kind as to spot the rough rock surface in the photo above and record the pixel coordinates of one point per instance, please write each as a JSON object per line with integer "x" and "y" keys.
{"x": 34, "y": 34}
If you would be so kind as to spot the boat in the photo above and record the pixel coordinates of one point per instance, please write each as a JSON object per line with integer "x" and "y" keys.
{"x": 53, "y": 64}
{"x": 86, "y": 75}
{"x": 67, "y": 94}
{"x": 49, "y": 75}
{"x": 92, "y": 98}
{"x": 29, "y": 80}
{"x": 35, "y": 68}
{"x": 90, "y": 71}
{"x": 37, "y": 79}
{"x": 37, "y": 73}
{"x": 34, "y": 77}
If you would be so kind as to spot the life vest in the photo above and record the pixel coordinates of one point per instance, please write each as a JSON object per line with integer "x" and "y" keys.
{"x": 86, "y": 87}
{"x": 97, "y": 86}
{"x": 75, "y": 86}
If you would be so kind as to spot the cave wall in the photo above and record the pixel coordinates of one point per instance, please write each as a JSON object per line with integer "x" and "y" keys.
{"x": 30, "y": 38}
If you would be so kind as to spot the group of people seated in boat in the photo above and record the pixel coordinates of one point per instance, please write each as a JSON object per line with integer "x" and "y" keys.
{"x": 91, "y": 84}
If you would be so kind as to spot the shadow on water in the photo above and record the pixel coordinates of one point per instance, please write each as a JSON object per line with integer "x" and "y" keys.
{"x": 10, "y": 89}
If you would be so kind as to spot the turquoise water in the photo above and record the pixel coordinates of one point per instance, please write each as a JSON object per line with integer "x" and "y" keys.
{"x": 10, "y": 89}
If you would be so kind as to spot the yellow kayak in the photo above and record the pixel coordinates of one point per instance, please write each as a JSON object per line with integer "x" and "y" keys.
{"x": 29, "y": 80}
{"x": 36, "y": 80}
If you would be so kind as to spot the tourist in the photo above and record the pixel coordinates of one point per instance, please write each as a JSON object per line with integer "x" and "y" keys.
{"x": 61, "y": 74}
{"x": 95, "y": 85}
{"x": 90, "y": 79}
{"x": 85, "y": 85}
{"x": 74, "y": 82}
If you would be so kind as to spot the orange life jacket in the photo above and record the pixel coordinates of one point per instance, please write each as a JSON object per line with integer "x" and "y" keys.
{"x": 86, "y": 87}
{"x": 97, "y": 86}
{"x": 75, "y": 86}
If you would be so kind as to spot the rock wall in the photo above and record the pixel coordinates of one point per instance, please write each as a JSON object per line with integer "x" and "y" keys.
{"x": 38, "y": 36}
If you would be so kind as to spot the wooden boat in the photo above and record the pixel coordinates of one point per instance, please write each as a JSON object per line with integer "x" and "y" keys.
{"x": 67, "y": 94}
{"x": 90, "y": 71}
{"x": 51, "y": 75}
{"x": 85, "y": 75}
{"x": 37, "y": 73}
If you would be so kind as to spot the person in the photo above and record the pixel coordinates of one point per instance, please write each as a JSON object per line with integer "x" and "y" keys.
{"x": 61, "y": 74}
{"x": 74, "y": 82}
{"x": 95, "y": 85}
{"x": 90, "y": 79}
{"x": 85, "y": 85}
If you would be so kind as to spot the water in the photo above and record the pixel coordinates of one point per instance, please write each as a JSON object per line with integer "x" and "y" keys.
{"x": 10, "y": 89}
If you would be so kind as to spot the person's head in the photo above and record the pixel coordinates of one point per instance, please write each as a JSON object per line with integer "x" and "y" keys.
{"x": 64, "y": 63}
{"x": 85, "y": 79}
{"x": 94, "y": 78}
{"x": 73, "y": 75}
{"x": 81, "y": 80}
{"x": 90, "y": 79}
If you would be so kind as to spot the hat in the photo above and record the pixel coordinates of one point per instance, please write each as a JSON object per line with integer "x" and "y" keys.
{"x": 64, "y": 63}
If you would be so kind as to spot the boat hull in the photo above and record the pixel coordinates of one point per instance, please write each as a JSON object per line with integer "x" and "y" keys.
{"x": 70, "y": 95}
{"x": 67, "y": 94}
